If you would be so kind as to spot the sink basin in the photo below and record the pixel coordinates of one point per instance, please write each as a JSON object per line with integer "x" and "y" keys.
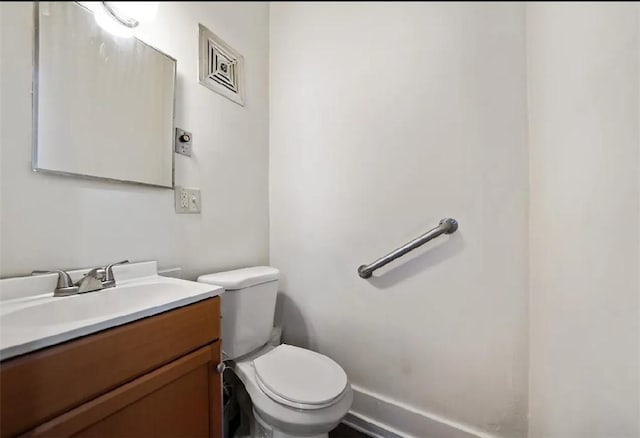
{"x": 32, "y": 322}
{"x": 90, "y": 306}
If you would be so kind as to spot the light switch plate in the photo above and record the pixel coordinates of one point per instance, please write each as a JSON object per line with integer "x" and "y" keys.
{"x": 183, "y": 142}
{"x": 187, "y": 200}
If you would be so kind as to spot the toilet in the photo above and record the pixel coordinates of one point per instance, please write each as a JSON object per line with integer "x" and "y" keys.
{"x": 294, "y": 392}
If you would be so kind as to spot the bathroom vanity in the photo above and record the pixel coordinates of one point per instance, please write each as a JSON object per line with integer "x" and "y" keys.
{"x": 157, "y": 375}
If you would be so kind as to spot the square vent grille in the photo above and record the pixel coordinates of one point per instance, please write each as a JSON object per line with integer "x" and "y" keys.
{"x": 221, "y": 67}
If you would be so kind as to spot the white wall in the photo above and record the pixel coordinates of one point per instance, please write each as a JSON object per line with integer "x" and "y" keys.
{"x": 60, "y": 222}
{"x": 583, "y": 82}
{"x": 384, "y": 119}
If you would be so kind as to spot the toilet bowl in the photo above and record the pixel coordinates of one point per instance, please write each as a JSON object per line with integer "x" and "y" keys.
{"x": 294, "y": 392}
{"x": 289, "y": 409}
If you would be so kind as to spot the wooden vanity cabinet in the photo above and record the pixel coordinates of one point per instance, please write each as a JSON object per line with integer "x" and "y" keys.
{"x": 153, "y": 377}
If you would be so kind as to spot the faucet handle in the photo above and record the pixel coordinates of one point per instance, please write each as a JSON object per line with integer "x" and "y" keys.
{"x": 64, "y": 279}
{"x": 108, "y": 270}
{"x": 65, "y": 285}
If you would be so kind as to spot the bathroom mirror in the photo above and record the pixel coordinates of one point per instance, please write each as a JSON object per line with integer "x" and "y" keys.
{"x": 103, "y": 105}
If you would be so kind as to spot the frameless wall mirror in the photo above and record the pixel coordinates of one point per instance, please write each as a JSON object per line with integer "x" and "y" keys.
{"x": 103, "y": 105}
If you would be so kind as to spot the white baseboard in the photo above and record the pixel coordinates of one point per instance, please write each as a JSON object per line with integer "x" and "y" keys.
{"x": 381, "y": 417}
{"x": 369, "y": 427}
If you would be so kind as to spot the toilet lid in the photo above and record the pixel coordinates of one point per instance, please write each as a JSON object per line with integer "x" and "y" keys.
{"x": 300, "y": 378}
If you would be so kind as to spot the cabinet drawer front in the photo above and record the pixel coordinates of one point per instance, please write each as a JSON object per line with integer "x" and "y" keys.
{"x": 44, "y": 384}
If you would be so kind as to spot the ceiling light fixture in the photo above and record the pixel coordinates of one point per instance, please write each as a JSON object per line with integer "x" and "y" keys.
{"x": 121, "y": 18}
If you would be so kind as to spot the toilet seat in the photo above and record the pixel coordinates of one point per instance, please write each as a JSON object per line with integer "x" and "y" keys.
{"x": 299, "y": 378}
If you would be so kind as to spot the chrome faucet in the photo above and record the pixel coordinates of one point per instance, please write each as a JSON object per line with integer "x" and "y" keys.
{"x": 94, "y": 280}
{"x": 91, "y": 281}
{"x": 107, "y": 279}
{"x": 65, "y": 285}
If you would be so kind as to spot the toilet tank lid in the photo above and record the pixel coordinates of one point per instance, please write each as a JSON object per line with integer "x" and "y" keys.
{"x": 241, "y": 278}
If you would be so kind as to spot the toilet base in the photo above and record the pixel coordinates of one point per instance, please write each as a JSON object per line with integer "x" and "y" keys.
{"x": 261, "y": 429}
{"x": 254, "y": 426}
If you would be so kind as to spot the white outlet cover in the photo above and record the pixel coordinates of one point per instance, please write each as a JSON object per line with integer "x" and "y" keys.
{"x": 194, "y": 200}
{"x": 187, "y": 200}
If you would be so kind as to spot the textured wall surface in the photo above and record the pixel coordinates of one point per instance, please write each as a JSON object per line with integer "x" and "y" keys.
{"x": 583, "y": 104}
{"x": 384, "y": 119}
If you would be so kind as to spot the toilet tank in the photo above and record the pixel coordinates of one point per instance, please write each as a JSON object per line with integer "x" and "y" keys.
{"x": 247, "y": 306}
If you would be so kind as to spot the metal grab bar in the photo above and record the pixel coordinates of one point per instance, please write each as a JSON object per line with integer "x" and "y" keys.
{"x": 446, "y": 226}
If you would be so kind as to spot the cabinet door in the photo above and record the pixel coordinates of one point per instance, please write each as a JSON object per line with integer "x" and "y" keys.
{"x": 43, "y": 385}
{"x": 180, "y": 399}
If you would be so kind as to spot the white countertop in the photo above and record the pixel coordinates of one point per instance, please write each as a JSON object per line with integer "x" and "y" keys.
{"x": 31, "y": 318}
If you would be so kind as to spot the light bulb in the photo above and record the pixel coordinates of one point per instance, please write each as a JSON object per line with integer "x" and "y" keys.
{"x": 121, "y": 18}
{"x": 141, "y": 12}
{"x": 110, "y": 24}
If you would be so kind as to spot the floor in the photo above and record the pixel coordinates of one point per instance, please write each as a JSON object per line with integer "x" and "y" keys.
{"x": 344, "y": 431}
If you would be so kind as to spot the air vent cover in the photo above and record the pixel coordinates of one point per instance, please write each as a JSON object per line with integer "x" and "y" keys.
{"x": 221, "y": 67}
